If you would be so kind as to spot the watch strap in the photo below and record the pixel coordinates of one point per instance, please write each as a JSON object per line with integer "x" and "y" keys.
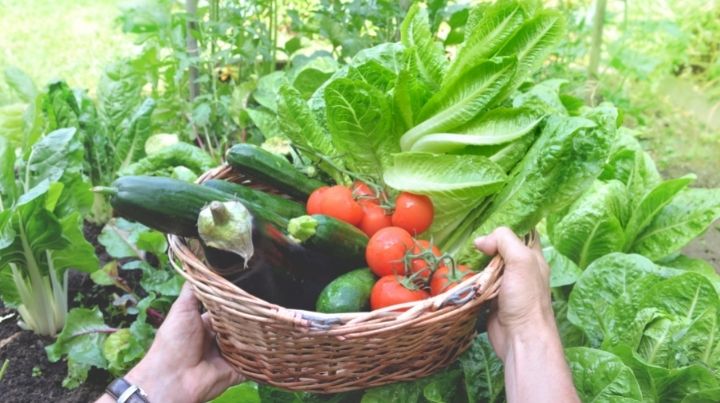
{"x": 125, "y": 392}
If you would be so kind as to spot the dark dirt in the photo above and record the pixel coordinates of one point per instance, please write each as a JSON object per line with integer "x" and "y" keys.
{"x": 26, "y": 351}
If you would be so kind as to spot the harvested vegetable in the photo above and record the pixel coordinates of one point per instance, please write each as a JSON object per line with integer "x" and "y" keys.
{"x": 386, "y": 251}
{"x": 392, "y": 290}
{"x": 347, "y": 293}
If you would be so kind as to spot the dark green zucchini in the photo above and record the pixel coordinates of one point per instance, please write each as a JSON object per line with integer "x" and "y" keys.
{"x": 347, "y": 293}
{"x": 271, "y": 169}
{"x": 282, "y": 206}
{"x": 331, "y": 237}
{"x": 170, "y": 205}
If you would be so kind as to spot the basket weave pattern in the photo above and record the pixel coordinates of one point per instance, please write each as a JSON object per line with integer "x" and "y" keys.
{"x": 328, "y": 353}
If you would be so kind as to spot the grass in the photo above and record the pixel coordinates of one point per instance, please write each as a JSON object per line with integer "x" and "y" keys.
{"x": 69, "y": 39}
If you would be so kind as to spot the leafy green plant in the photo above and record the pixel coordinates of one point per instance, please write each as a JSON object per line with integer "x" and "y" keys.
{"x": 631, "y": 209}
{"x": 40, "y": 228}
{"x": 88, "y": 340}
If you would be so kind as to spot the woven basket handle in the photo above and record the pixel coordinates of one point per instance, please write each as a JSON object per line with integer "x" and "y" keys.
{"x": 486, "y": 282}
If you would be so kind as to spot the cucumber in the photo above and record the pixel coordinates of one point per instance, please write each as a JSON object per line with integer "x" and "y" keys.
{"x": 280, "y": 205}
{"x": 331, "y": 237}
{"x": 271, "y": 169}
{"x": 347, "y": 293}
{"x": 170, "y": 205}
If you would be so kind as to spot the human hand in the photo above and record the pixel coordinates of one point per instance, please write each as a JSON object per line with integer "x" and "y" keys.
{"x": 183, "y": 363}
{"x": 523, "y": 307}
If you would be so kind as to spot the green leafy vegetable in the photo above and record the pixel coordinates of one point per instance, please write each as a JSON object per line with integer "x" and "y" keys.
{"x": 601, "y": 376}
{"x": 429, "y": 55}
{"x": 455, "y": 184}
{"x": 359, "y": 124}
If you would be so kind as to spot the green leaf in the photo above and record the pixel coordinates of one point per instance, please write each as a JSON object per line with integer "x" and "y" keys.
{"x": 543, "y": 97}
{"x": 458, "y": 103}
{"x": 559, "y": 167}
{"x": 78, "y": 254}
{"x": 642, "y": 177}
{"x": 484, "y": 372}
{"x": 359, "y": 122}
{"x": 592, "y": 226}
{"x": 309, "y": 76}
{"x": 265, "y": 120}
{"x": 533, "y": 42}
{"x": 570, "y": 335}
{"x": 485, "y": 36}
{"x": 8, "y": 187}
{"x": 686, "y": 217}
{"x": 118, "y": 93}
{"x": 498, "y": 126}
{"x": 668, "y": 385}
{"x": 442, "y": 387}
{"x": 699, "y": 266}
{"x": 107, "y": 275}
{"x": 53, "y": 156}
{"x": 455, "y": 184}
{"x": 608, "y": 279}
{"x": 411, "y": 93}
{"x": 82, "y": 338}
{"x": 267, "y": 88}
{"x": 601, "y": 376}
{"x": 430, "y": 57}
{"x": 651, "y": 204}
{"x": 120, "y": 236}
{"x": 563, "y": 271}
{"x": 174, "y": 155}
{"x": 685, "y": 328}
{"x": 113, "y": 348}
{"x": 246, "y": 392}
{"x": 135, "y": 131}
{"x": 21, "y": 83}
{"x": 299, "y": 124}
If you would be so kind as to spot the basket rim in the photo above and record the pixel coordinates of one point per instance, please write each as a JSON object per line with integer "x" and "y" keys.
{"x": 467, "y": 293}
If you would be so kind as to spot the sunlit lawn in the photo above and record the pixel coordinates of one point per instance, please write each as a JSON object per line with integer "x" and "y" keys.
{"x": 69, "y": 39}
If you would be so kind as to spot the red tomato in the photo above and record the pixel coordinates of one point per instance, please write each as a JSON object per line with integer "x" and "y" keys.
{"x": 420, "y": 265}
{"x": 337, "y": 202}
{"x": 364, "y": 194}
{"x": 390, "y": 290}
{"x": 413, "y": 212}
{"x": 443, "y": 279}
{"x": 313, "y": 203}
{"x": 375, "y": 219}
{"x": 386, "y": 250}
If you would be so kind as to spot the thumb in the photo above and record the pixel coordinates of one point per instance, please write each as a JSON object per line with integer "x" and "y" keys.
{"x": 504, "y": 242}
{"x": 186, "y": 301}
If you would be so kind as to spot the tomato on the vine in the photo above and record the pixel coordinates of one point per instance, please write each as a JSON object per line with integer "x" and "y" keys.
{"x": 420, "y": 265}
{"x": 414, "y": 213}
{"x": 316, "y": 197}
{"x": 393, "y": 290}
{"x": 337, "y": 202}
{"x": 444, "y": 279}
{"x": 364, "y": 194}
{"x": 375, "y": 219}
{"x": 385, "y": 253}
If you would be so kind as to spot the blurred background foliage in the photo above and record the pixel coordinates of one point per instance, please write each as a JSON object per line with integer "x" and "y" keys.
{"x": 658, "y": 59}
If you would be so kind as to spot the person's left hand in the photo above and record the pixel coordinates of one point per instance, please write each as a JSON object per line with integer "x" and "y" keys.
{"x": 184, "y": 363}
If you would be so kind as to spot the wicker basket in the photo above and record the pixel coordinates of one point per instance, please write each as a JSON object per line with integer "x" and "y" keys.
{"x": 327, "y": 353}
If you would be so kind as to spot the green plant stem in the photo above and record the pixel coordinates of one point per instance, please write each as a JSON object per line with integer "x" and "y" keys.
{"x": 38, "y": 313}
{"x": 596, "y": 47}
{"x": 4, "y": 368}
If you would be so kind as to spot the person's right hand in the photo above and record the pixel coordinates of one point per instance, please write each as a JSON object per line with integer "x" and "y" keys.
{"x": 523, "y": 306}
{"x": 522, "y": 327}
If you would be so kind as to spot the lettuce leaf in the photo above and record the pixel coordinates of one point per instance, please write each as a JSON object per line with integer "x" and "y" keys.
{"x": 359, "y": 121}
{"x": 456, "y": 184}
{"x": 429, "y": 55}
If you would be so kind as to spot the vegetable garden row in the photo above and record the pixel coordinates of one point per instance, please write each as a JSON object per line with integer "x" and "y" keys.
{"x": 372, "y": 168}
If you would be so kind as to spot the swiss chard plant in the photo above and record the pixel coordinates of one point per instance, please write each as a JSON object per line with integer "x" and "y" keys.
{"x": 43, "y": 201}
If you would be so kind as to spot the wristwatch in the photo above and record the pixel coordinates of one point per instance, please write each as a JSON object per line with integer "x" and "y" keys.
{"x": 125, "y": 392}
